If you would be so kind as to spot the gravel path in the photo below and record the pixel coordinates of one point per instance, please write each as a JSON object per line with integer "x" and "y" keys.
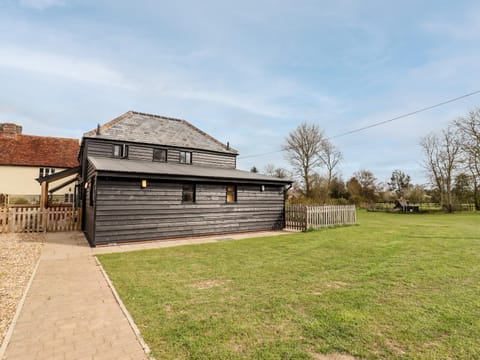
{"x": 18, "y": 255}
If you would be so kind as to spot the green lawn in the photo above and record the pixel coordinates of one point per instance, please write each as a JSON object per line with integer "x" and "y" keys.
{"x": 396, "y": 286}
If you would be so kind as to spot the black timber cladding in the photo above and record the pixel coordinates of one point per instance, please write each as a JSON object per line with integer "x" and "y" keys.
{"x": 138, "y": 151}
{"x": 88, "y": 210}
{"x": 125, "y": 212}
{"x": 121, "y": 210}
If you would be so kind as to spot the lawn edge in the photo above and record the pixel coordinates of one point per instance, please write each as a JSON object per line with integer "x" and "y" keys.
{"x": 125, "y": 311}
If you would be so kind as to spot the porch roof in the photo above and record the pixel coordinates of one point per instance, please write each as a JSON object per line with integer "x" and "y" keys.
{"x": 116, "y": 167}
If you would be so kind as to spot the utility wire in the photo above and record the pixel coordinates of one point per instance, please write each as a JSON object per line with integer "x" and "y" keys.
{"x": 377, "y": 123}
{"x": 405, "y": 115}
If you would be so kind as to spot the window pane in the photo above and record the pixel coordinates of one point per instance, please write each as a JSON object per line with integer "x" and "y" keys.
{"x": 185, "y": 157}
{"x": 188, "y": 193}
{"x": 231, "y": 194}
{"x": 187, "y": 197}
{"x": 160, "y": 155}
{"x": 117, "y": 150}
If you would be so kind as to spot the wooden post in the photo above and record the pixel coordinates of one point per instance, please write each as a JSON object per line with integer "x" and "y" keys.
{"x": 44, "y": 204}
{"x": 44, "y": 196}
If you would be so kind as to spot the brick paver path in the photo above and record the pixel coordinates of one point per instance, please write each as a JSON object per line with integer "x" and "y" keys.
{"x": 70, "y": 312}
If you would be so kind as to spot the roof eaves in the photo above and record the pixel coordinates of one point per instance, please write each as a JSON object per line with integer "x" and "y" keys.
{"x": 112, "y": 166}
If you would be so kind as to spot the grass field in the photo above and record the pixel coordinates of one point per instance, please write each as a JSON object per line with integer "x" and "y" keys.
{"x": 394, "y": 287}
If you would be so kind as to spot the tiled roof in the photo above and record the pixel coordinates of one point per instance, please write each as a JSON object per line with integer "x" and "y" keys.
{"x": 158, "y": 130}
{"x": 29, "y": 150}
{"x": 109, "y": 165}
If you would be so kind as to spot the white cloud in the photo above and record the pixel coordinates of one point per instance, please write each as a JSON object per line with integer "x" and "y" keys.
{"x": 59, "y": 65}
{"x": 264, "y": 103}
{"x": 242, "y": 103}
{"x": 467, "y": 29}
{"x": 41, "y": 4}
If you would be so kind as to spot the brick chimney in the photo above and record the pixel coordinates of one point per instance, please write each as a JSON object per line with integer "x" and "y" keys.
{"x": 9, "y": 130}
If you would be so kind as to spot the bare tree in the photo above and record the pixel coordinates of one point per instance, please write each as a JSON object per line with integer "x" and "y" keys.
{"x": 367, "y": 182}
{"x": 330, "y": 157}
{"x": 415, "y": 193}
{"x": 278, "y": 172}
{"x": 469, "y": 129}
{"x": 442, "y": 156}
{"x": 303, "y": 146}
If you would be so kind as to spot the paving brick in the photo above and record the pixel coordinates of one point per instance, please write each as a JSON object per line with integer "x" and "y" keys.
{"x": 70, "y": 312}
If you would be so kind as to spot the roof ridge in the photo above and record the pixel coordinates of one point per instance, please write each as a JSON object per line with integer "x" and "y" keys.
{"x": 46, "y": 137}
{"x": 154, "y": 115}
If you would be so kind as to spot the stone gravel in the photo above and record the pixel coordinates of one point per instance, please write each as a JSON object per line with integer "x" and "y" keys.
{"x": 18, "y": 256}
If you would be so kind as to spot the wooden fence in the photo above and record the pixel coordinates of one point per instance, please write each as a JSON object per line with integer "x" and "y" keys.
{"x": 33, "y": 219}
{"x": 304, "y": 217}
{"x": 424, "y": 207}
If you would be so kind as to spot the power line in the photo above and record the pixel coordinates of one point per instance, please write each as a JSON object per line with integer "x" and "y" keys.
{"x": 405, "y": 115}
{"x": 377, "y": 123}
{"x": 259, "y": 155}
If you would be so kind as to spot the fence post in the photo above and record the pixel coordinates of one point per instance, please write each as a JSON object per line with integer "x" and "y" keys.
{"x": 12, "y": 218}
{"x": 4, "y": 220}
{"x": 307, "y": 217}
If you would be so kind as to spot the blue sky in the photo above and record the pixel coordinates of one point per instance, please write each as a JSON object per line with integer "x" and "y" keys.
{"x": 246, "y": 72}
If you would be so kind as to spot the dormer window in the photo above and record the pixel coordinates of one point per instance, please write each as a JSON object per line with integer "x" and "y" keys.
{"x": 120, "y": 151}
{"x": 185, "y": 157}
{"x": 160, "y": 155}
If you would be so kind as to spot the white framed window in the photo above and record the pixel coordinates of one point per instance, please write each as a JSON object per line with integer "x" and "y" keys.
{"x": 120, "y": 151}
{"x": 43, "y": 171}
{"x": 185, "y": 157}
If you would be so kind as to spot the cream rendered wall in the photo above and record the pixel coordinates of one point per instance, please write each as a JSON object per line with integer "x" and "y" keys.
{"x": 20, "y": 180}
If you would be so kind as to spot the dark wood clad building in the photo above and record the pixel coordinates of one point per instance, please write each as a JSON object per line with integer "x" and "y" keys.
{"x": 148, "y": 177}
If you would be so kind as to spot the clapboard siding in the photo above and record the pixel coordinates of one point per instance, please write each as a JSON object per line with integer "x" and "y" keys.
{"x": 99, "y": 148}
{"x": 206, "y": 159}
{"x": 104, "y": 148}
{"x": 140, "y": 153}
{"x": 125, "y": 212}
{"x": 173, "y": 155}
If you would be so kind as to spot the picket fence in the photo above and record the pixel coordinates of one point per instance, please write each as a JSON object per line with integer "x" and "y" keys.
{"x": 304, "y": 217}
{"x": 33, "y": 219}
